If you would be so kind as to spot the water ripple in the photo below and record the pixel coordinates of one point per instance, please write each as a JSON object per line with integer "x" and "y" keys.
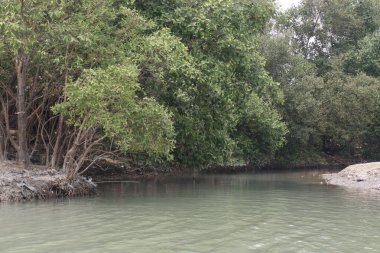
{"x": 241, "y": 213}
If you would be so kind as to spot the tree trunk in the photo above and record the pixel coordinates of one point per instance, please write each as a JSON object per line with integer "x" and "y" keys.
{"x": 21, "y": 70}
{"x": 2, "y": 146}
{"x": 54, "y": 158}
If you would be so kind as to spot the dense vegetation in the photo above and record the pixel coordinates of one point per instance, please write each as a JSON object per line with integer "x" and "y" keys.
{"x": 190, "y": 83}
{"x": 325, "y": 55}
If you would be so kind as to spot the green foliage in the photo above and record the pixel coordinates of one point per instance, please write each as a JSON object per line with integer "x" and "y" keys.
{"x": 314, "y": 47}
{"x": 203, "y": 81}
{"x": 283, "y": 65}
{"x": 323, "y": 28}
{"x": 260, "y": 132}
{"x": 61, "y": 38}
{"x": 302, "y": 112}
{"x": 373, "y": 135}
{"x": 213, "y": 82}
{"x": 170, "y": 73}
{"x": 365, "y": 58}
{"x": 107, "y": 99}
{"x": 350, "y": 107}
{"x": 83, "y": 45}
{"x": 301, "y": 89}
{"x": 333, "y": 115}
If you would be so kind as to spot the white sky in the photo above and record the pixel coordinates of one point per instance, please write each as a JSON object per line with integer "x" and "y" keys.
{"x": 285, "y": 4}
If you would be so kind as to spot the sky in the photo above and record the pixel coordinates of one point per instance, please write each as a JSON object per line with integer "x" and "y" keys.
{"x": 285, "y": 4}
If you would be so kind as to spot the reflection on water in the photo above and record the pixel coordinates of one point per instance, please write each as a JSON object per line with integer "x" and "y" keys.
{"x": 288, "y": 212}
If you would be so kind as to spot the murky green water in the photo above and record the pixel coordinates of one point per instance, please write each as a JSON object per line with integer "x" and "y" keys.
{"x": 289, "y": 212}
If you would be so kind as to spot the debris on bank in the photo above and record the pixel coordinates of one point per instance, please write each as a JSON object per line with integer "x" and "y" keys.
{"x": 17, "y": 184}
{"x": 362, "y": 176}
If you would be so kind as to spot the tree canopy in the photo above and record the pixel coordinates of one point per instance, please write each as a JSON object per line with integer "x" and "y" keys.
{"x": 325, "y": 55}
{"x": 178, "y": 79}
{"x": 192, "y": 83}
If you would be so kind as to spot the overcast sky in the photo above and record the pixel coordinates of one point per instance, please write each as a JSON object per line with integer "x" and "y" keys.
{"x": 285, "y": 4}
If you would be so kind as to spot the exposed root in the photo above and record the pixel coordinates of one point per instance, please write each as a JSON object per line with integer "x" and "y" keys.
{"x": 17, "y": 184}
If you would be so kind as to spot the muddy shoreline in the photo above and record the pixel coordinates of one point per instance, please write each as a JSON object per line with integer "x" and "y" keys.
{"x": 364, "y": 176}
{"x": 38, "y": 183}
{"x": 147, "y": 173}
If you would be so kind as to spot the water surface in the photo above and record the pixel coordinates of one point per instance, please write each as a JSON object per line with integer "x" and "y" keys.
{"x": 286, "y": 212}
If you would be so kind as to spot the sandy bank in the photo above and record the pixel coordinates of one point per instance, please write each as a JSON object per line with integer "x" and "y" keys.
{"x": 17, "y": 184}
{"x": 362, "y": 176}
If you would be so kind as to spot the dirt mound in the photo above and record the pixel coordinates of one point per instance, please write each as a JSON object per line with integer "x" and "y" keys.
{"x": 38, "y": 183}
{"x": 364, "y": 176}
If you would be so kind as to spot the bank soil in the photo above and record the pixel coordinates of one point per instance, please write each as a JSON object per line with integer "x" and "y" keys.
{"x": 361, "y": 176}
{"x": 17, "y": 184}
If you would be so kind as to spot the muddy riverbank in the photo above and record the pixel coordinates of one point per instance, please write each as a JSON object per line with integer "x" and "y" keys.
{"x": 17, "y": 184}
{"x": 360, "y": 176}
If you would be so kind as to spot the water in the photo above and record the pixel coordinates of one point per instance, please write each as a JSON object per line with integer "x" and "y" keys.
{"x": 289, "y": 212}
